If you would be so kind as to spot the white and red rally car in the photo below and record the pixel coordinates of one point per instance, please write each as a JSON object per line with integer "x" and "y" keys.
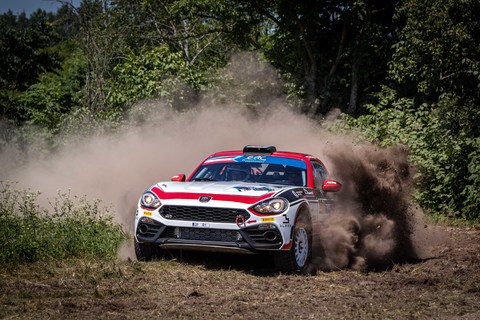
{"x": 257, "y": 200}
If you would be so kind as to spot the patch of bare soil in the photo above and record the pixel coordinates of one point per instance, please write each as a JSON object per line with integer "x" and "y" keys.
{"x": 208, "y": 286}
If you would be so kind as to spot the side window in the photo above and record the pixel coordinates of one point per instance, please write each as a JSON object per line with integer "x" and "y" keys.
{"x": 319, "y": 174}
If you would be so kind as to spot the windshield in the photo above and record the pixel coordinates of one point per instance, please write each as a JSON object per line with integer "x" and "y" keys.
{"x": 260, "y": 169}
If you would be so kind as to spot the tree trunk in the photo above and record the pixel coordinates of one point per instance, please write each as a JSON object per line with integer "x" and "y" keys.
{"x": 352, "y": 107}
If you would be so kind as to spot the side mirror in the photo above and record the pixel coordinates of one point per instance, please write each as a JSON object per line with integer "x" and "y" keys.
{"x": 331, "y": 185}
{"x": 179, "y": 178}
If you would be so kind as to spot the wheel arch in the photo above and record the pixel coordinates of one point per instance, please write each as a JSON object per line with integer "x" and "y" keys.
{"x": 302, "y": 209}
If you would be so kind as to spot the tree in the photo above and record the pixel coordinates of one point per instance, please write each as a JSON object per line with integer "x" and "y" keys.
{"x": 432, "y": 102}
{"x": 330, "y": 49}
{"x": 155, "y": 72}
{"x": 100, "y": 38}
{"x": 57, "y": 93}
{"x": 438, "y": 51}
{"x": 24, "y": 44}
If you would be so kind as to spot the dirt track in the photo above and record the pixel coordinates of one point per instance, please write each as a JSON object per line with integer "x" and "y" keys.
{"x": 445, "y": 286}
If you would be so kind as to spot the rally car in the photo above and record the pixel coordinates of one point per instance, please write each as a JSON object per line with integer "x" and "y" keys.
{"x": 255, "y": 200}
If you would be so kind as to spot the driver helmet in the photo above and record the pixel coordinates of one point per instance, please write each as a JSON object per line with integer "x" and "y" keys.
{"x": 238, "y": 172}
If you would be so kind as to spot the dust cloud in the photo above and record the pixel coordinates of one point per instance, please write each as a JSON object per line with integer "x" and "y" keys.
{"x": 374, "y": 219}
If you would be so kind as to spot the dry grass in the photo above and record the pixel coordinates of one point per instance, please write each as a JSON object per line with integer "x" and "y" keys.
{"x": 231, "y": 287}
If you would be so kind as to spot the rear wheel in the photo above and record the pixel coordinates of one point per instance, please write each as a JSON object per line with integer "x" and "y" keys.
{"x": 298, "y": 258}
{"x": 145, "y": 251}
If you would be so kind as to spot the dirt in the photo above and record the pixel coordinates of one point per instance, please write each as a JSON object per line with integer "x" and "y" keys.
{"x": 445, "y": 285}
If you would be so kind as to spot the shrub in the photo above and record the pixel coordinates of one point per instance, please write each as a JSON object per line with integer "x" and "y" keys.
{"x": 441, "y": 146}
{"x": 74, "y": 227}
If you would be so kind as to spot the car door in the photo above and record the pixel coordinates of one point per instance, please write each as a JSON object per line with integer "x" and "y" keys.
{"x": 319, "y": 175}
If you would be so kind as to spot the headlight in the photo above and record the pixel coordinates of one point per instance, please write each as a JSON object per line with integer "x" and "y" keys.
{"x": 150, "y": 200}
{"x": 271, "y": 206}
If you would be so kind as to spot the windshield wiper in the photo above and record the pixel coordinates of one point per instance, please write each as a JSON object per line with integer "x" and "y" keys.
{"x": 203, "y": 179}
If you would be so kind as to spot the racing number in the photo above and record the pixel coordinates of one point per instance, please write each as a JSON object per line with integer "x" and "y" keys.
{"x": 287, "y": 220}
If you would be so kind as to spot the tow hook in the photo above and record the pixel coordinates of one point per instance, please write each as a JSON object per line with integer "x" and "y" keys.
{"x": 240, "y": 220}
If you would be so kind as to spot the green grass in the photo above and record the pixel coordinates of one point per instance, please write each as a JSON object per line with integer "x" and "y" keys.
{"x": 73, "y": 227}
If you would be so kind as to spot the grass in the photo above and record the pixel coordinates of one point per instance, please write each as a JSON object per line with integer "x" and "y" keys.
{"x": 73, "y": 227}
{"x": 444, "y": 220}
{"x": 214, "y": 286}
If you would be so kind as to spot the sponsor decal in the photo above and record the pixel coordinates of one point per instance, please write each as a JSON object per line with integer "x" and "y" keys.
{"x": 147, "y": 220}
{"x": 250, "y": 159}
{"x": 147, "y": 213}
{"x": 268, "y": 219}
{"x": 297, "y": 193}
{"x": 302, "y": 193}
{"x": 308, "y": 192}
{"x": 286, "y": 222}
{"x": 244, "y": 188}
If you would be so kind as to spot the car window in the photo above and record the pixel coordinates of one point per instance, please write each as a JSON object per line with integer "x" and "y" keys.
{"x": 273, "y": 170}
{"x": 319, "y": 173}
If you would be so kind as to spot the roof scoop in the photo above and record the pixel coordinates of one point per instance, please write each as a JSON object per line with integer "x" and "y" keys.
{"x": 259, "y": 149}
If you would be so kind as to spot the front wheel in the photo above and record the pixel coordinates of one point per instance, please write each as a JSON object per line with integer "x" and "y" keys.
{"x": 298, "y": 258}
{"x": 145, "y": 251}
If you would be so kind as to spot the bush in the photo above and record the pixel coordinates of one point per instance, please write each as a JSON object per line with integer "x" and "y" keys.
{"x": 441, "y": 145}
{"x": 73, "y": 228}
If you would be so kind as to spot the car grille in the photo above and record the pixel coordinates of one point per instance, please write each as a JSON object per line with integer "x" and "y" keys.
{"x": 207, "y": 214}
{"x": 202, "y": 234}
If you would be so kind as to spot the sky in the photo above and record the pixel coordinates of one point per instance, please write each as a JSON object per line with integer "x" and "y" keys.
{"x": 29, "y": 6}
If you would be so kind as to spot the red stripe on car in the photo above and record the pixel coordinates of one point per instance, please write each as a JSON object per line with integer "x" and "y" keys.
{"x": 162, "y": 195}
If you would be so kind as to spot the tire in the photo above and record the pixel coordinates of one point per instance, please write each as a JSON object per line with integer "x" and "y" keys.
{"x": 145, "y": 251}
{"x": 298, "y": 259}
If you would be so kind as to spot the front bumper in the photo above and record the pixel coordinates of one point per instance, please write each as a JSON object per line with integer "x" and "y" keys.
{"x": 249, "y": 239}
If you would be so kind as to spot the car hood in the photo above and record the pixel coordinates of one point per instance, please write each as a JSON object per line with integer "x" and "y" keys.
{"x": 217, "y": 188}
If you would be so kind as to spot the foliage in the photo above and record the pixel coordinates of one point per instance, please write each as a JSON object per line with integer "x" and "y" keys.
{"x": 56, "y": 93}
{"x": 411, "y": 67}
{"x": 102, "y": 40}
{"x": 438, "y": 49}
{"x": 447, "y": 160}
{"x": 336, "y": 52}
{"x": 435, "y": 69}
{"x": 471, "y": 192}
{"x": 202, "y": 31}
{"x": 74, "y": 228}
{"x": 155, "y": 72}
{"x": 29, "y": 49}
{"x": 23, "y": 44}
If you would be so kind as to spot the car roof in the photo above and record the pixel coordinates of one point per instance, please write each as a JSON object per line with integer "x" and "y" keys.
{"x": 284, "y": 154}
